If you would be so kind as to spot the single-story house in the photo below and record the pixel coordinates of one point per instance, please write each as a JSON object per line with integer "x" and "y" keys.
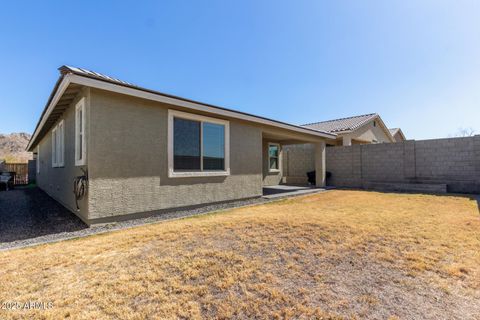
{"x": 144, "y": 151}
{"x": 397, "y": 134}
{"x": 363, "y": 129}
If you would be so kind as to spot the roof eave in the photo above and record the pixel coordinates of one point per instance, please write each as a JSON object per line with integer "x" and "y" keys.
{"x": 69, "y": 76}
{"x": 399, "y": 130}
{"x": 133, "y": 90}
{"x": 60, "y": 86}
{"x": 131, "y": 86}
{"x": 385, "y": 129}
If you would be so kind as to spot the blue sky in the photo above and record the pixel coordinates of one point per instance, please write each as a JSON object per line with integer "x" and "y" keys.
{"x": 416, "y": 63}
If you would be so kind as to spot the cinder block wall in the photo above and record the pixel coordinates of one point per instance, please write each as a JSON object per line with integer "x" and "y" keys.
{"x": 452, "y": 161}
{"x": 298, "y": 159}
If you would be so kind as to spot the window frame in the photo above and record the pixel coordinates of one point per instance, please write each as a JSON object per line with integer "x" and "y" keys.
{"x": 38, "y": 158}
{"x": 278, "y": 157}
{"x": 61, "y": 144}
{"x": 172, "y": 114}
{"x": 58, "y": 145}
{"x": 54, "y": 147}
{"x": 80, "y": 159}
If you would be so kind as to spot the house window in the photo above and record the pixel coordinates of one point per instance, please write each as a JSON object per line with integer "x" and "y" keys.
{"x": 58, "y": 145}
{"x": 54, "y": 147}
{"x": 80, "y": 142}
{"x": 38, "y": 158}
{"x": 186, "y": 141}
{"x": 213, "y": 146}
{"x": 198, "y": 145}
{"x": 273, "y": 157}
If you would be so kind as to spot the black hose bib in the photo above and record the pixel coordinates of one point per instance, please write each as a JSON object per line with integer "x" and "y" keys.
{"x": 80, "y": 185}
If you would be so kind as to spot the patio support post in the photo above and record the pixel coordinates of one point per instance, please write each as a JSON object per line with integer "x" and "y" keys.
{"x": 320, "y": 165}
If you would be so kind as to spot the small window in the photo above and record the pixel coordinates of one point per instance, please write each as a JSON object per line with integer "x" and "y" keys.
{"x": 80, "y": 142}
{"x": 273, "y": 157}
{"x": 58, "y": 145}
{"x": 38, "y": 158}
{"x": 198, "y": 145}
{"x": 54, "y": 147}
{"x": 374, "y": 123}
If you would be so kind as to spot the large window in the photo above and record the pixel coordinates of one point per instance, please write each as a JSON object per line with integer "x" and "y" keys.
{"x": 273, "y": 157}
{"x": 58, "y": 145}
{"x": 80, "y": 143}
{"x": 198, "y": 145}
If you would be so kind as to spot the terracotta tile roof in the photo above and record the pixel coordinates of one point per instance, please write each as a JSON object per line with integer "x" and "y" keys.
{"x": 343, "y": 124}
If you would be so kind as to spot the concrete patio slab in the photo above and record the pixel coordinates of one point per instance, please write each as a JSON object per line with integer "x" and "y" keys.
{"x": 281, "y": 191}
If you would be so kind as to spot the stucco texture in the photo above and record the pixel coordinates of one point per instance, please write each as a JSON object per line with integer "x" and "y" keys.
{"x": 128, "y": 161}
{"x": 58, "y": 182}
{"x": 371, "y": 132}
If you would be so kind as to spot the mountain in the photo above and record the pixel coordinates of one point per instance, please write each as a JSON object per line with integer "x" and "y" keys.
{"x": 12, "y": 147}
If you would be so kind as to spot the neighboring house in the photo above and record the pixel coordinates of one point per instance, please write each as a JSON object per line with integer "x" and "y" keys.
{"x": 397, "y": 134}
{"x": 363, "y": 129}
{"x": 146, "y": 151}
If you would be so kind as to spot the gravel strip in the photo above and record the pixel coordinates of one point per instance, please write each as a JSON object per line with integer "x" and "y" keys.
{"x": 161, "y": 216}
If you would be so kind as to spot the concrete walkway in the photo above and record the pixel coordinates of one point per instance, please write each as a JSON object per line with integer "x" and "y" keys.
{"x": 281, "y": 191}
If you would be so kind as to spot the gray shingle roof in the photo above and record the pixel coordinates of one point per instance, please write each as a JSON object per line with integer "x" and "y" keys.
{"x": 343, "y": 124}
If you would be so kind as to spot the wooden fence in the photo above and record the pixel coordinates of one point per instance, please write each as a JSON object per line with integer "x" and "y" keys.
{"x": 21, "y": 172}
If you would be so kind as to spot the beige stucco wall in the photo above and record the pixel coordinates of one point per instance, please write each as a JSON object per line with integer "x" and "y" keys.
{"x": 58, "y": 182}
{"x": 368, "y": 134}
{"x": 398, "y": 137}
{"x": 128, "y": 161}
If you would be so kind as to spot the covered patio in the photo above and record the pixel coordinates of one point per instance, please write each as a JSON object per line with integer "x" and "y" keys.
{"x": 274, "y": 175}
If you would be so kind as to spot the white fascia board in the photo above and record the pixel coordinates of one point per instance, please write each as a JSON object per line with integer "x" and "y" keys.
{"x": 99, "y": 84}
{"x": 60, "y": 90}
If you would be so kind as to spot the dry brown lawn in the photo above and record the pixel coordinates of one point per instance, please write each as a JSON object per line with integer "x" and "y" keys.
{"x": 340, "y": 254}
